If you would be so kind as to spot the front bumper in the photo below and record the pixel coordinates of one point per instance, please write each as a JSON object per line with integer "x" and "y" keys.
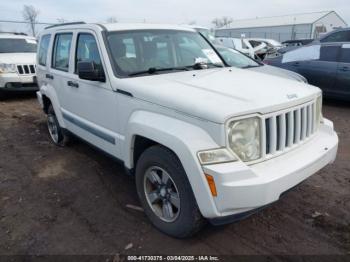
{"x": 243, "y": 188}
{"x": 14, "y": 82}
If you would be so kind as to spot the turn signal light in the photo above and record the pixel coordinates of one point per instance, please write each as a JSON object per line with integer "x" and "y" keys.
{"x": 211, "y": 184}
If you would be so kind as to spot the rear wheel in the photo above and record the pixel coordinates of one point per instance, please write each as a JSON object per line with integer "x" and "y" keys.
{"x": 55, "y": 131}
{"x": 165, "y": 193}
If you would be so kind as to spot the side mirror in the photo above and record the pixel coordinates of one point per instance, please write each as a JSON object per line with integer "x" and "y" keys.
{"x": 88, "y": 71}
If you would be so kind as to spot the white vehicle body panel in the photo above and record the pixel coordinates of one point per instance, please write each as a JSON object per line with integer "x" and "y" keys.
{"x": 188, "y": 112}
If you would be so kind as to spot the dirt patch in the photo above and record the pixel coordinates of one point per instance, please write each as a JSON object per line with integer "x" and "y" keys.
{"x": 75, "y": 200}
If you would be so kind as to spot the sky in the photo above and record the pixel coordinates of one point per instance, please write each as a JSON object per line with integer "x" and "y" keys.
{"x": 166, "y": 11}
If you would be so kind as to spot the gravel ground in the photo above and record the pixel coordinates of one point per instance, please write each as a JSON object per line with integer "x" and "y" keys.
{"x": 74, "y": 200}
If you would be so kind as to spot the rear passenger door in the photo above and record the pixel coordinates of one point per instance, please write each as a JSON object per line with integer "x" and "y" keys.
{"x": 343, "y": 74}
{"x": 89, "y": 108}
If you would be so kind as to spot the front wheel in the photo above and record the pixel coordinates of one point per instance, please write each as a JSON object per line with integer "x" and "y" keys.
{"x": 165, "y": 193}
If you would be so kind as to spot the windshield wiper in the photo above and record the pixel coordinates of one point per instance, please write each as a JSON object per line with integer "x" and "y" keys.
{"x": 153, "y": 70}
{"x": 250, "y": 66}
{"x": 204, "y": 65}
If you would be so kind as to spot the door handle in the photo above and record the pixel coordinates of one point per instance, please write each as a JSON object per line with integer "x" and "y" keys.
{"x": 345, "y": 68}
{"x": 48, "y": 76}
{"x": 73, "y": 84}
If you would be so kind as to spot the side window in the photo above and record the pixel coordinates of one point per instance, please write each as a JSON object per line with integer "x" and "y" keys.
{"x": 61, "y": 51}
{"x": 345, "y": 54}
{"x": 329, "y": 53}
{"x": 343, "y": 36}
{"x": 87, "y": 51}
{"x": 43, "y": 48}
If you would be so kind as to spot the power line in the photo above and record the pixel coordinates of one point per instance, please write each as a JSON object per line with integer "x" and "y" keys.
{"x": 24, "y": 22}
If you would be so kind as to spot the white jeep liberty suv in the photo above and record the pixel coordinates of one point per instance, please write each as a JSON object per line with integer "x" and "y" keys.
{"x": 204, "y": 141}
{"x": 17, "y": 63}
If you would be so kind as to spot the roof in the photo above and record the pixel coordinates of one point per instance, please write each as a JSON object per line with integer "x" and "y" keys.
{"x": 295, "y": 19}
{"x": 116, "y": 26}
{"x": 140, "y": 26}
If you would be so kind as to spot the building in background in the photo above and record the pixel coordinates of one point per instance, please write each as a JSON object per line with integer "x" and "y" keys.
{"x": 282, "y": 28}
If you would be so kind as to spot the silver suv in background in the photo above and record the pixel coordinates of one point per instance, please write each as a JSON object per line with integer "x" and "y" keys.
{"x": 17, "y": 63}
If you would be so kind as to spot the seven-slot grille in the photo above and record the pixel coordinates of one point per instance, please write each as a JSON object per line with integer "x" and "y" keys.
{"x": 285, "y": 129}
{"x": 26, "y": 69}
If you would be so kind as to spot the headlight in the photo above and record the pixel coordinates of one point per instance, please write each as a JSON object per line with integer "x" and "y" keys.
{"x": 319, "y": 117}
{"x": 215, "y": 156}
{"x": 7, "y": 68}
{"x": 244, "y": 138}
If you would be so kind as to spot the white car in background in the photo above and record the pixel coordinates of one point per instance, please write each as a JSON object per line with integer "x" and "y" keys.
{"x": 243, "y": 45}
{"x": 17, "y": 63}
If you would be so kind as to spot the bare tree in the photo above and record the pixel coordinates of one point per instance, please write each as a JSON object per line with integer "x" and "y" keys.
{"x": 112, "y": 19}
{"x": 30, "y": 15}
{"x": 221, "y": 22}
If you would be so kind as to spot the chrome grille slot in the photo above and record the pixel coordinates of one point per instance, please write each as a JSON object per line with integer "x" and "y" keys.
{"x": 20, "y": 70}
{"x": 284, "y": 130}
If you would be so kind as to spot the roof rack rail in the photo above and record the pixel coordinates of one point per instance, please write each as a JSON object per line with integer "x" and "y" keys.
{"x": 13, "y": 33}
{"x": 63, "y": 24}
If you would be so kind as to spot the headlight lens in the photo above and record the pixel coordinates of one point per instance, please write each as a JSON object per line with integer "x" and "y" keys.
{"x": 319, "y": 117}
{"x": 244, "y": 138}
{"x": 7, "y": 68}
{"x": 215, "y": 156}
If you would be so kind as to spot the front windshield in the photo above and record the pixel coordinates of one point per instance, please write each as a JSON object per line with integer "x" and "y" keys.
{"x": 141, "y": 50}
{"x": 14, "y": 45}
{"x": 236, "y": 59}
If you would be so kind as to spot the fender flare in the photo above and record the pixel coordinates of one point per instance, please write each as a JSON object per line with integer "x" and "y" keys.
{"x": 185, "y": 140}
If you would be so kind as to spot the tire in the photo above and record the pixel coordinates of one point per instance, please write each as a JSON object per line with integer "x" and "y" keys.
{"x": 176, "y": 192}
{"x": 2, "y": 95}
{"x": 55, "y": 131}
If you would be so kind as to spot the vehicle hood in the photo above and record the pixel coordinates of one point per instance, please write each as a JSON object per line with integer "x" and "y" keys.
{"x": 272, "y": 70}
{"x": 17, "y": 58}
{"x": 219, "y": 94}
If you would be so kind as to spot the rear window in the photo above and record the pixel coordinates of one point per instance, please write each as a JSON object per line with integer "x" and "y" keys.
{"x": 343, "y": 36}
{"x": 14, "y": 45}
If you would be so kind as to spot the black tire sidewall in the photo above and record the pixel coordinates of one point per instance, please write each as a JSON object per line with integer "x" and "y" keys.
{"x": 51, "y": 111}
{"x": 189, "y": 219}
